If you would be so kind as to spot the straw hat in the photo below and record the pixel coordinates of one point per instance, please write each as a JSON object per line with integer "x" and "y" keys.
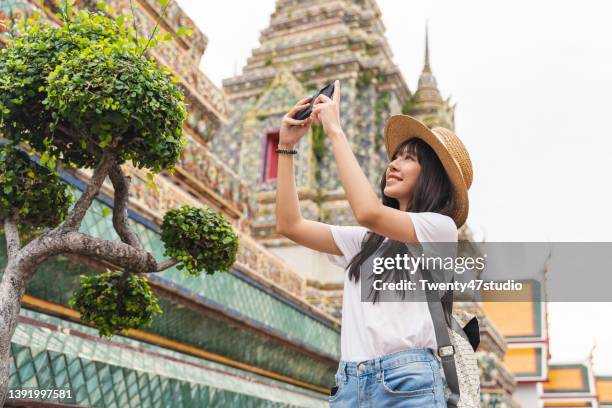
{"x": 448, "y": 147}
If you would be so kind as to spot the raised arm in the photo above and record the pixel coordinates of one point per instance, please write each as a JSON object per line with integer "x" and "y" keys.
{"x": 289, "y": 222}
{"x": 367, "y": 208}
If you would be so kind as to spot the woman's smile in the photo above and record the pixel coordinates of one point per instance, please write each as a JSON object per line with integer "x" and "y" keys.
{"x": 393, "y": 177}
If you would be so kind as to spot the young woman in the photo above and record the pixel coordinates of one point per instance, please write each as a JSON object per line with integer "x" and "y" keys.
{"x": 387, "y": 348}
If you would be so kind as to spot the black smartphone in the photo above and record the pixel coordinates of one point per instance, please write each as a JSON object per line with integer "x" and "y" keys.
{"x": 304, "y": 113}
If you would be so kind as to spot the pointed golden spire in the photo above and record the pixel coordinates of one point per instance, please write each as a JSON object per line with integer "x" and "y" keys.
{"x": 428, "y": 87}
{"x": 426, "y": 67}
{"x": 427, "y": 102}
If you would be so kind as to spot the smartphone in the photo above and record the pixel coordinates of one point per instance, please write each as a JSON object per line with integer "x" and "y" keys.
{"x": 328, "y": 91}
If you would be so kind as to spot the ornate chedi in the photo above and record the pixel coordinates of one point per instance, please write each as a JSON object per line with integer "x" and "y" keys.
{"x": 246, "y": 337}
{"x": 427, "y": 104}
{"x": 305, "y": 46}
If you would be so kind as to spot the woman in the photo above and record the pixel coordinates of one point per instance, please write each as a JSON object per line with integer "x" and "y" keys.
{"x": 387, "y": 356}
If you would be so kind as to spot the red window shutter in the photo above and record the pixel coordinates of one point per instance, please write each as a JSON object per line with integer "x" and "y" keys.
{"x": 271, "y": 157}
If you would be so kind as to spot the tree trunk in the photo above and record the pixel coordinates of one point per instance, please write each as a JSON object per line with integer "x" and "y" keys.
{"x": 12, "y": 289}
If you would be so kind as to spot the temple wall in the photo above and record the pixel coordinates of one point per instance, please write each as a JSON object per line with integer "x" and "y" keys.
{"x": 226, "y": 316}
{"x": 313, "y": 265}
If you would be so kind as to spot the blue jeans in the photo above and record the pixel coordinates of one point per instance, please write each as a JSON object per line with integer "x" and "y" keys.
{"x": 407, "y": 378}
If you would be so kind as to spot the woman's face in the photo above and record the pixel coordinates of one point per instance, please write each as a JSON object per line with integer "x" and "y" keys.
{"x": 401, "y": 176}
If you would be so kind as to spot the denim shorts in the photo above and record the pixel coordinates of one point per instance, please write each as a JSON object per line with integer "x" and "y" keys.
{"x": 407, "y": 378}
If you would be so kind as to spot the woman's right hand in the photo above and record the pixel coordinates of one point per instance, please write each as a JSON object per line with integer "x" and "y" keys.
{"x": 292, "y": 130}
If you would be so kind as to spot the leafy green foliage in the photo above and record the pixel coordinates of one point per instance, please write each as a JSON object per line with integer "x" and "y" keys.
{"x": 38, "y": 194}
{"x": 117, "y": 93}
{"x": 200, "y": 239}
{"x": 24, "y": 67}
{"x": 90, "y": 78}
{"x": 113, "y": 304}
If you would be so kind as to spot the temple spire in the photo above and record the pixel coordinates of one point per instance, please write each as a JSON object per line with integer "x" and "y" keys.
{"x": 426, "y": 67}
{"x": 427, "y": 80}
{"x": 427, "y": 102}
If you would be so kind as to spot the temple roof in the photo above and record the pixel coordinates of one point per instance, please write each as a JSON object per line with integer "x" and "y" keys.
{"x": 524, "y": 326}
{"x": 527, "y": 361}
{"x": 603, "y": 385}
{"x": 281, "y": 95}
{"x": 574, "y": 379}
{"x": 520, "y": 319}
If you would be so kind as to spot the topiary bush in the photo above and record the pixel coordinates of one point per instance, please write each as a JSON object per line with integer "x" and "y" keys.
{"x": 71, "y": 91}
{"x": 113, "y": 304}
{"x": 25, "y": 66}
{"x": 39, "y": 195}
{"x": 117, "y": 93}
{"x": 84, "y": 94}
{"x": 199, "y": 238}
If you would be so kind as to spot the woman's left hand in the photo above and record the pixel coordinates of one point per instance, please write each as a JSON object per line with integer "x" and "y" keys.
{"x": 326, "y": 111}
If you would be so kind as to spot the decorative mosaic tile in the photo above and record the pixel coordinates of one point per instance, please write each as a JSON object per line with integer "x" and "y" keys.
{"x": 101, "y": 373}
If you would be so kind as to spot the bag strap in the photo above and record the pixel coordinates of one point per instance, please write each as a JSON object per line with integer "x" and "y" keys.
{"x": 441, "y": 315}
{"x": 446, "y": 350}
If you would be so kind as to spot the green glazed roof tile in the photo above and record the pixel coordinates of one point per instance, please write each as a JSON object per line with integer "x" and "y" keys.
{"x": 99, "y": 383}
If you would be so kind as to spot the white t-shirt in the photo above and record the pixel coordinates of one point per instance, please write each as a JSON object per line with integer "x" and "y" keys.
{"x": 371, "y": 330}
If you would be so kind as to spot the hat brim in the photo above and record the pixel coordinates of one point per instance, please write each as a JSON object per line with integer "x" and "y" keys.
{"x": 400, "y": 128}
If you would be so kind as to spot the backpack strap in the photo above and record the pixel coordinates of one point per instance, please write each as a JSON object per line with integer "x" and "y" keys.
{"x": 446, "y": 350}
{"x": 441, "y": 316}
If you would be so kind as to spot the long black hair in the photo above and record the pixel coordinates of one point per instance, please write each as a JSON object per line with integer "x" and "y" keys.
{"x": 432, "y": 193}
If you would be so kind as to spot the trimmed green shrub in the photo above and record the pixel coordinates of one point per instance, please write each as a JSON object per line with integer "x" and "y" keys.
{"x": 200, "y": 238}
{"x": 114, "y": 305}
{"x": 39, "y": 195}
{"x": 70, "y": 91}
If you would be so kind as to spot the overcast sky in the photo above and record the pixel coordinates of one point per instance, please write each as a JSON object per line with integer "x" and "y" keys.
{"x": 532, "y": 81}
